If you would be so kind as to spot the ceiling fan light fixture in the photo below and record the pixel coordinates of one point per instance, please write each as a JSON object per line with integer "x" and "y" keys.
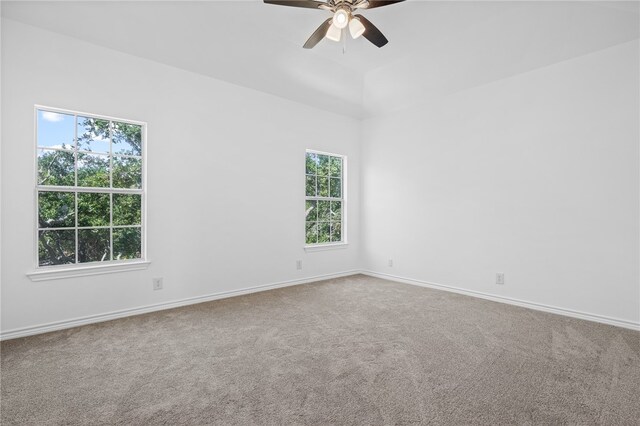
{"x": 341, "y": 18}
{"x": 356, "y": 28}
{"x": 343, "y": 15}
{"x": 334, "y": 33}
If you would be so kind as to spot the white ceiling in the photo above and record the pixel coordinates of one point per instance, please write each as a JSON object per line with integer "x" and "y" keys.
{"x": 435, "y": 47}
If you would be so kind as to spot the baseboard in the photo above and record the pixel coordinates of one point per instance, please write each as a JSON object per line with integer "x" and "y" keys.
{"x": 501, "y": 299}
{"x": 92, "y": 319}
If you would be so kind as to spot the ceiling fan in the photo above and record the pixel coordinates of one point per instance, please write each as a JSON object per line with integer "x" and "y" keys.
{"x": 342, "y": 18}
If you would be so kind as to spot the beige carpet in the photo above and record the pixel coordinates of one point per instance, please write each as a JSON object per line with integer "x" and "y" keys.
{"x": 355, "y": 350}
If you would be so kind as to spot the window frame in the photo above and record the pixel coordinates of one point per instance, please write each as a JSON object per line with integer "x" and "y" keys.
{"x": 344, "y": 204}
{"x": 39, "y": 272}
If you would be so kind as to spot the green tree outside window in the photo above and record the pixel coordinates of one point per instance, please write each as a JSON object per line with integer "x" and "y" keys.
{"x": 90, "y": 189}
{"x": 324, "y": 201}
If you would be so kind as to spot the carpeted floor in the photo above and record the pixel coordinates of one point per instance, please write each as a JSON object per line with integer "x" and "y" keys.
{"x": 354, "y": 350}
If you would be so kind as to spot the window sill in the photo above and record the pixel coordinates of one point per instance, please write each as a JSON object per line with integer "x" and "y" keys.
{"x": 58, "y": 273}
{"x": 323, "y": 247}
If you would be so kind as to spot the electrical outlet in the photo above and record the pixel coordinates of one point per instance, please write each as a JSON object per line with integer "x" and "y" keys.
{"x": 390, "y": 263}
{"x": 157, "y": 283}
{"x": 500, "y": 278}
{"x": 298, "y": 264}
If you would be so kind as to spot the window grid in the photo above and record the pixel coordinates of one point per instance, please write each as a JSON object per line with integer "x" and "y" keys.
{"x": 324, "y": 208}
{"x": 111, "y": 193}
{"x": 76, "y": 189}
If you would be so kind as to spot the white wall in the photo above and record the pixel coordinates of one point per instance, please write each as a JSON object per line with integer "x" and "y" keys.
{"x": 536, "y": 176}
{"x": 225, "y": 178}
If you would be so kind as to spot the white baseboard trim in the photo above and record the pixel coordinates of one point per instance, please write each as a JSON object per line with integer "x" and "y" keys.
{"x": 508, "y": 300}
{"x": 92, "y": 319}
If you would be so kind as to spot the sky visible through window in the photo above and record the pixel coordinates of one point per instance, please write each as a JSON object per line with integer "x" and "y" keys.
{"x": 55, "y": 129}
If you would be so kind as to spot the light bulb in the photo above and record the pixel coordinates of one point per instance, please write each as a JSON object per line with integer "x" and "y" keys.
{"x": 341, "y": 18}
{"x": 334, "y": 33}
{"x": 356, "y": 28}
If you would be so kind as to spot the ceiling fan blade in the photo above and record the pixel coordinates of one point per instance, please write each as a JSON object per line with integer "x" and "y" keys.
{"x": 309, "y": 4}
{"x": 318, "y": 34}
{"x": 380, "y": 3}
{"x": 372, "y": 33}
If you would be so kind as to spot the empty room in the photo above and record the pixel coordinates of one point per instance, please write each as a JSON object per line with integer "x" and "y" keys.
{"x": 319, "y": 212}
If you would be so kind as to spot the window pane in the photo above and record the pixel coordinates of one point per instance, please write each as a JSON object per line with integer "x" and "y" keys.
{"x": 336, "y": 210}
{"x": 336, "y": 231}
{"x": 127, "y": 243}
{"x": 311, "y": 186}
{"x": 336, "y": 166}
{"x": 311, "y": 211}
{"x": 312, "y": 163}
{"x": 56, "y": 247}
{"x": 336, "y": 188}
{"x": 93, "y": 209}
{"x": 127, "y": 138}
{"x": 56, "y": 168}
{"x": 312, "y": 233}
{"x": 55, "y": 130}
{"x": 93, "y": 134}
{"x": 93, "y": 245}
{"x": 127, "y": 209}
{"x": 324, "y": 231}
{"x": 323, "y": 165}
{"x": 323, "y": 211}
{"x": 56, "y": 209}
{"x": 93, "y": 170}
{"x": 127, "y": 172}
{"x": 323, "y": 186}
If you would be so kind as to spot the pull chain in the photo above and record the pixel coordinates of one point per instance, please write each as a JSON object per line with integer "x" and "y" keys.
{"x": 344, "y": 41}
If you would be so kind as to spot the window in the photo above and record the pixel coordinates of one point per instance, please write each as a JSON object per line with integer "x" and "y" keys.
{"x": 90, "y": 188}
{"x": 325, "y": 200}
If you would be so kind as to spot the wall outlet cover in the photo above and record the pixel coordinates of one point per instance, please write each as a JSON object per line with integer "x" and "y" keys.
{"x": 157, "y": 283}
